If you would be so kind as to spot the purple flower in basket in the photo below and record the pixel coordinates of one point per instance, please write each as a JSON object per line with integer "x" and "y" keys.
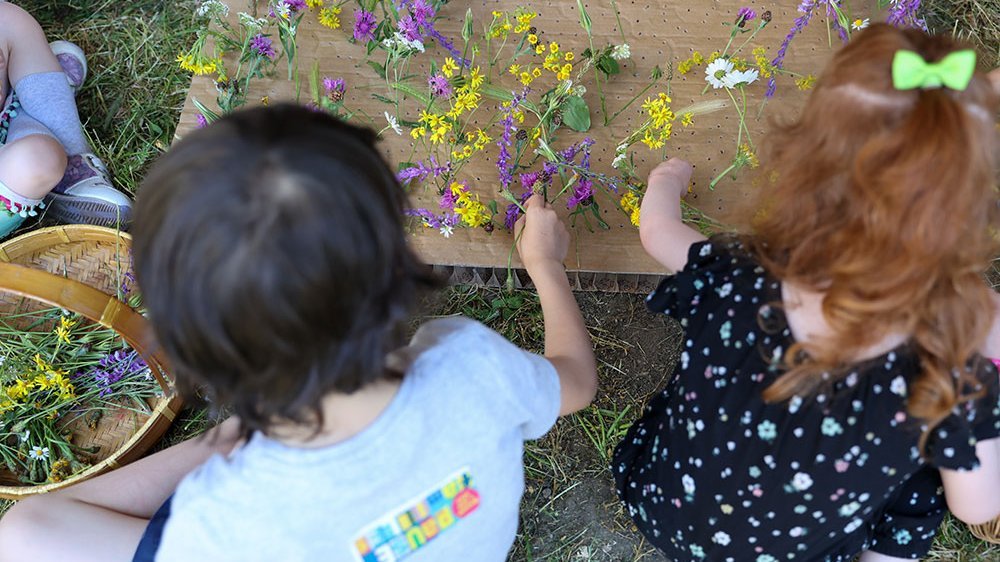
{"x": 364, "y": 26}
{"x": 262, "y": 45}
{"x": 112, "y": 368}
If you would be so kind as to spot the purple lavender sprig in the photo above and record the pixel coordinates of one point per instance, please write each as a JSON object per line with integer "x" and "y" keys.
{"x": 421, "y": 171}
{"x": 807, "y": 8}
{"x": 111, "y": 369}
{"x": 903, "y": 13}
{"x": 505, "y": 142}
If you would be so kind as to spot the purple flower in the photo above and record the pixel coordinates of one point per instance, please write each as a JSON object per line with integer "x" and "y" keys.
{"x": 514, "y": 212}
{"x": 432, "y": 220}
{"x": 334, "y": 88}
{"x": 364, "y": 26}
{"x": 806, "y": 8}
{"x": 903, "y": 13}
{"x": 582, "y": 191}
{"x": 262, "y": 45}
{"x": 296, "y": 5}
{"x": 440, "y": 86}
{"x": 112, "y": 368}
{"x": 422, "y": 12}
{"x": 421, "y": 171}
{"x": 409, "y": 28}
{"x": 447, "y": 45}
{"x": 202, "y": 122}
{"x": 744, "y": 15}
{"x": 505, "y": 142}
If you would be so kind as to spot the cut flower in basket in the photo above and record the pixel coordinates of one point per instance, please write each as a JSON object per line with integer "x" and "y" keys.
{"x": 59, "y": 372}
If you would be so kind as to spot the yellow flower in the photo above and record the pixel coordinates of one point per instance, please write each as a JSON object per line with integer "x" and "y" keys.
{"x": 686, "y": 120}
{"x": 564, "y": 73}
{"x": 536, "y": 72}
{"x": 497, "y": 14}
{"x": 697, "y": 57}
{"x": 476, "y": 78}
{"x": 539, "y": 49}
{"x": 314, "y": 3}
{"x": 523, "y": 20}
{"x": 20, "y": 389}
{"x": 763, "y": 64}
{"x": 330, "y": 17}
{"x": 199, "y": 65}
{"x": 630, "y": 204}
{"x": 41, "y": 365}
{"x": 526, "y": 78}
{"x": 568, "y": 56}
{"x": 533, "y": 39}
{"x": 554, "y": 47}
{"x": 806, "y": 82}
{"x": 747, "y": 156}
{"x": 514, "y": 69}
{"x": 449, "y": 68}
{"x": 653, "y": 142}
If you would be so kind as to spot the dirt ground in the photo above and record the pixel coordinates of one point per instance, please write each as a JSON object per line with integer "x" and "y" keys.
{"x": 570, "y": 511}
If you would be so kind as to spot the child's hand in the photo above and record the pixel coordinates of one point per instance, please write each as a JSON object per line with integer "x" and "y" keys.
{"x": 543, "y": 238}
{"x": 671, "y": 173}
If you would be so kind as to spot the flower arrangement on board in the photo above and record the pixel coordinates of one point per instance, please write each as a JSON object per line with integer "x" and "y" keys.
{"x": 505, "y": 90}
{"x": 59, "y": 372}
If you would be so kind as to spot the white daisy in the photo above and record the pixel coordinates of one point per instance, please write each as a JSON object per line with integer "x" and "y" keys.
{"x": 446, "y": 230}
{"x": 717, "y": 71}
{"x": 621, "y": 52}
{"x": 859, "y": 24}
{"x": 393, "y": 124}
{"x": 740, "y": 78}
{"x": 38, "y": 453}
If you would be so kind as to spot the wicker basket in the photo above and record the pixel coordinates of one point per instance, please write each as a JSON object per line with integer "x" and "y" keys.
{"x": 78, "y": 267}
{"x": 989, "y": 532}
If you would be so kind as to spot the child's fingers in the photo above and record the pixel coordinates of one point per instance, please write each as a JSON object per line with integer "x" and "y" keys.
{"x": 536, "y": 200}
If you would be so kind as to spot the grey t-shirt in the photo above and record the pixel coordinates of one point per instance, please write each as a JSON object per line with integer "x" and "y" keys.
{"x": 437, "y": 477}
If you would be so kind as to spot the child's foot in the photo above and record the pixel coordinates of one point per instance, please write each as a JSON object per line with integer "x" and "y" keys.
{"x": 73, "y": 62}
{"x": 85, "y": 195}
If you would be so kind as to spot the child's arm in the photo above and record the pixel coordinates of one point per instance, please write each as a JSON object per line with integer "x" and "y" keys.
{"x": 974, "y": 496}
{"x": 542, "y": 244}
{"x": 664, "y": 237}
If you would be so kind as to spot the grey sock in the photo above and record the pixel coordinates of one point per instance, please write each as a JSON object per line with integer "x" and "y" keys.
{"x": 47, "y": 98}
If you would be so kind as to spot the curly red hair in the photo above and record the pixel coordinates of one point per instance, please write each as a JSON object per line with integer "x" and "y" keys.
{"x": 886, "y": 202}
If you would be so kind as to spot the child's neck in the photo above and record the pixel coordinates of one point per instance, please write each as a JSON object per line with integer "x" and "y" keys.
{"x": 344, "y": 416}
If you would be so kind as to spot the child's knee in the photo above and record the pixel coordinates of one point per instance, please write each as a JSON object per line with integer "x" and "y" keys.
{"x": 34, "y": 163}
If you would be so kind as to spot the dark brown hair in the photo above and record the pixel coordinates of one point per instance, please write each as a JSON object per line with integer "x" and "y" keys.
{"x": 271, "y": 255}
{"x": 886, "y": 201}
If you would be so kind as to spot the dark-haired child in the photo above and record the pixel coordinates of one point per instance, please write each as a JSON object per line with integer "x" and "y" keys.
{"x": 45, "y": 158}
{"x": 832, "y": 393}
{"x": 273, "y": 262}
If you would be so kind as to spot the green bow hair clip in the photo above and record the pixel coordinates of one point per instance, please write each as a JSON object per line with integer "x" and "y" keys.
{"x": 910, "y": 71}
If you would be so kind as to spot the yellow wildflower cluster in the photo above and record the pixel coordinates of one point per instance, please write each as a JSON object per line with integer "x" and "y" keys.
{"x": 630, "y": 204}
{"x": 62, "y": 330}
{"x": 739, "y": 63}
{"x": 523, "y": 18}
{"x": 747, "y": 157}
{"x": 501, "y": 25}
{"x": 687, "y": 119}
{"x": 763, "y": 63}
{"x": 478, "y": 139}
{"x": 806, "y": 82}
{"x": 450, "y": 67}
{"x": 557, "y": 62}
{"x": 314, "y": 3}
{"x": 330, "y": 17}
{"x": 696, "y": 59}
{"x": 45, "y": 378}
{"x": 472, "y": 212}
{"x": 436, "y": 124}
{"x": 659, "y": 125}
{"x": 60, "y": 470}
{"x": 199, "y": 64}
{"x": 526, "y": 76}
{"x": 467, "y": 97}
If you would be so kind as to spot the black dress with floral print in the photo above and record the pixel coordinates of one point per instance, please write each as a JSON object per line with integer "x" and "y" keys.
{"x": 712, "y": 472}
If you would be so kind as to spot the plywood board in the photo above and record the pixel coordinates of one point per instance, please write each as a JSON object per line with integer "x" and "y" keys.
{"x": 659, "y": 33}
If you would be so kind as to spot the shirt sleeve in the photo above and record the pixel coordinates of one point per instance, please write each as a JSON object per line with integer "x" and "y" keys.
{"x": 952, "y": 443}
{"x": 709, "y": 267}
{"x": 514, "y": 385}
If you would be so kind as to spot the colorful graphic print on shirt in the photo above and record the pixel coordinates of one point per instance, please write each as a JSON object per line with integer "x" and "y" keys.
{"x": 406, "y": 529}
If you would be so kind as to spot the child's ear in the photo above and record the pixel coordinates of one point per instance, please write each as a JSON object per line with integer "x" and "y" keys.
{"x": 994, "y": 77}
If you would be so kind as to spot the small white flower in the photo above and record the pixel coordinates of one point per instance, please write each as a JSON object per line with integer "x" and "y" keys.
{"x": 621, "y": 52}
{"x": 24, "y": 436}
{"x": 251, "y": 23}
{"x": 393, "y": 124}
{"x": 898, "y": 386}
{"x": 721, "y": 537}
{"x": 688, "y": 483}
{"x": 446, "y": 230}
{"x": 619, "y": 160}
{"x": 740, "y": 78}
{"x": 717, "y": 71}
{"x": 860, "y": 24}
{"x": 282, "y": 10}
{"x": 212, "y": 8}
{"x": 38, "y": 453}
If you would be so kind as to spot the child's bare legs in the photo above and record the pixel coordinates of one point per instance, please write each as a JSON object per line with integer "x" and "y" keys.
{"x": 102, "y": 519}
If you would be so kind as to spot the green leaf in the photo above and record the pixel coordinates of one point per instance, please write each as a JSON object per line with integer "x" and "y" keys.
{"x": 383, "y": 99}
{"x": 576, "y": 114}
{"x": 378, "y": 67}
{"x": 467, "y": 27}
{"x": 585, "y": 22}
{"x": 607, "y": 65}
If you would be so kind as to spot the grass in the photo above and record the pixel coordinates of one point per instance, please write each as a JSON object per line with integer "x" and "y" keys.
{"x": 130, "y": 105}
